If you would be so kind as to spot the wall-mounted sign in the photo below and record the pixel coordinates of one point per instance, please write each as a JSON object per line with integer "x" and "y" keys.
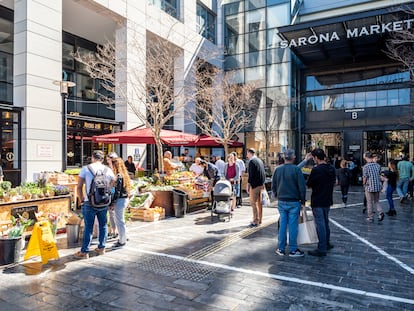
{"x": 45, "y": 151}
{"x": 356, "y": 32}
{"x": 354, "y": 147}
{"x": 354, "y": 112}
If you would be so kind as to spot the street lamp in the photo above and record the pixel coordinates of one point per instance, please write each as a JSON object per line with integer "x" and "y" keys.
{"x": 64, "y": 90}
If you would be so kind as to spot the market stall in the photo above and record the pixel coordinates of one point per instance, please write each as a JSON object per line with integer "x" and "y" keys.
{"x": 159, "y": 196}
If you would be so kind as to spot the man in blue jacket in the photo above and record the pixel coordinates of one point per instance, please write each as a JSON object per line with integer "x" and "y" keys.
{"x": 288, "y": 185}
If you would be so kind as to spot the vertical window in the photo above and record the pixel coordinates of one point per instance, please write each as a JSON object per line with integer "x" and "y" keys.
{"x": 169, "y": 6}
{"x": 206, "y": 23}
{"x": 6, "y": 60}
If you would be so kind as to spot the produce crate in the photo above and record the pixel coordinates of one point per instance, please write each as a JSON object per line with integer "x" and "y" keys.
{"x": 195, "y": 194}
{"x": 152, "y": 214}
{"x": 59, "y": 178}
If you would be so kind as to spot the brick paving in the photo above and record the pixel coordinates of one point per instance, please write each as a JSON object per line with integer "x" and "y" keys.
{"x": 199, "y": 263}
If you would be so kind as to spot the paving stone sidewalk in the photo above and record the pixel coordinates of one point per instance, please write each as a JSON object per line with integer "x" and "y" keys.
{"x": 200, "y": 263}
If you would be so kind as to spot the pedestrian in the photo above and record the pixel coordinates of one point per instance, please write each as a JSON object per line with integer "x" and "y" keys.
{"x": 220, "y": 166}
{"x": 288, "y": 185}
{"x": 88, "y": 211}
{"x": 112, "y": 233}
{"x": 321, "y": 179}
{"x": 405, "y": 174}
{"x": 390, "y": 177}
{"x": 196, "y": 167}
{"x": 130, "y": 166}
{"x": 242, "y": 169}
{"x": 255, "y": 185}
{"x": 371, "y": 179}
{"x": 343, "y": 180}
{"x": 121, "y": 198}
{"x": 231, "y": 173}
{"x": 211, "y": 172}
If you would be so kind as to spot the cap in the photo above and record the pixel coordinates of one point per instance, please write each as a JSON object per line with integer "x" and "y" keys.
{"x": 251, "y": 150}
{"x": 112, "y": 155}
{"x": 98, "y": 154}
{"x": 289, "y": 154}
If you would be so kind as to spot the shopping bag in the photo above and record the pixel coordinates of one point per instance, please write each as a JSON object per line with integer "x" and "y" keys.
{"x": 265, "y": 198}
{"x": 306, "y": 229}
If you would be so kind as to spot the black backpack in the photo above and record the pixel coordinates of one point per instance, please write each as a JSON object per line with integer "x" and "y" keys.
{"x": 100, "y": 191}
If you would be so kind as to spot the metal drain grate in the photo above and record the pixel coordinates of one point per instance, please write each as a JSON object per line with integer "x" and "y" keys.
{"x": 173, "y": 267}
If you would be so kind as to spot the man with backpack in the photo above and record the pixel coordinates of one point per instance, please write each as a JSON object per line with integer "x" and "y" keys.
{"x": 98, "y": 180}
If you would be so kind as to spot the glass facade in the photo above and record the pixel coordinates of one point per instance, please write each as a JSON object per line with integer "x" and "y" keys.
{"x": 366, "y": 93}
{"x": 250, "y": 37}
{"x": 206, "y": 23}
{"x": 83, "y": 98}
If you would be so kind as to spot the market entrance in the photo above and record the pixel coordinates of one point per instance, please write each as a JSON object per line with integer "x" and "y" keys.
{"x": 389, "y": 144}
{"x": 331, "y": 143}
{"x": 79, "y": 139}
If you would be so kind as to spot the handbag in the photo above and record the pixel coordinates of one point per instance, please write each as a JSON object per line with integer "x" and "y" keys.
{"x": 265, "y": 198}
{"x": 306, "y": 229}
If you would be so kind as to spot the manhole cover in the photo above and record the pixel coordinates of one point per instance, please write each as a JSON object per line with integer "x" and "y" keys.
{"x": 174, "y": 267}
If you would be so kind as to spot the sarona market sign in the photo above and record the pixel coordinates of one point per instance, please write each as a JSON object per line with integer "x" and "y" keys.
{"x": 356, "y": 32}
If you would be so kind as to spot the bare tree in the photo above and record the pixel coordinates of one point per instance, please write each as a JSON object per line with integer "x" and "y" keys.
{"x": 399, "y": 47}
{"x": 151, "y": 96}
{"x": 271, "y": 120}
{"x": 224, "y": 108}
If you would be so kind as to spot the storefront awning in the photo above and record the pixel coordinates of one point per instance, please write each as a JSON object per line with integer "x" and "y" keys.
{"x": 352, "y": 43}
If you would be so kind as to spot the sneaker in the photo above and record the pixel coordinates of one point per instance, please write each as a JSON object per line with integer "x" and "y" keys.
{"x": 100, "y": 251}
{"x": 297, "y": 253}
{"x": 369, "y": 219}
{"x": 280, "y": 252}
{"x": 252, "y": 225}
{"x": 316, "y": 253}
{"x": 118, "y": 245}
{"x": 238, "y": 206}
{"x": 381, "y": 217}
{"x": 80, "y": 255}
{"x": 392, "y": 212}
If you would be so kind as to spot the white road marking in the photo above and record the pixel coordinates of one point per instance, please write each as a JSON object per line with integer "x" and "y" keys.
{"x": 379, "y": 250}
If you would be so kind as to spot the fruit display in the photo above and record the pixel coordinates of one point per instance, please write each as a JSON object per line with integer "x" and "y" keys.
{"x": 179, "y": 178}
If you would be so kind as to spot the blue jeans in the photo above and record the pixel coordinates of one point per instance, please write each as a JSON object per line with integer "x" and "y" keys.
{"x": 119, "y": 209}
{"x": 289, "y": 213}
{"x": 402, "y": 186}
{"x": 89, "y": 212}
{"x": 390, "y": 191}
{"x": 321, "y": 217}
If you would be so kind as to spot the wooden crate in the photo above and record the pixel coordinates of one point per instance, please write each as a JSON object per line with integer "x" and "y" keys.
{"x": 151, "y": 214}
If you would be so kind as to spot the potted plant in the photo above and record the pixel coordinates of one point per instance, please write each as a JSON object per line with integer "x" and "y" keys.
{"x": 61, "y": 190}
{"x": 12, "y": 242}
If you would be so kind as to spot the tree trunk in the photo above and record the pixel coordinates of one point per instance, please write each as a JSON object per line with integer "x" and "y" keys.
{"x": 159, "y": 155}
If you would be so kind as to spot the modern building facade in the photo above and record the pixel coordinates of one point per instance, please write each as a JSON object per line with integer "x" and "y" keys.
{"x": 322, "y": 76}
{"x": 37, "y": 42}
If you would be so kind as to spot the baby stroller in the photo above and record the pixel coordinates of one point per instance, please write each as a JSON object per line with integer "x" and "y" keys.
{"x": 222, "y": 196}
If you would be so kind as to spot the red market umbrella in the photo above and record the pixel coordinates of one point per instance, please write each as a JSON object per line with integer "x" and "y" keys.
{"x": 145, "y": 136}
{"x": 208, "y": 141}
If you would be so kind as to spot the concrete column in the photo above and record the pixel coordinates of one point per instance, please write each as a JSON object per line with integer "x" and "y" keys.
{"x": 37, "y": 63}
{"x": 130, "y": 41}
